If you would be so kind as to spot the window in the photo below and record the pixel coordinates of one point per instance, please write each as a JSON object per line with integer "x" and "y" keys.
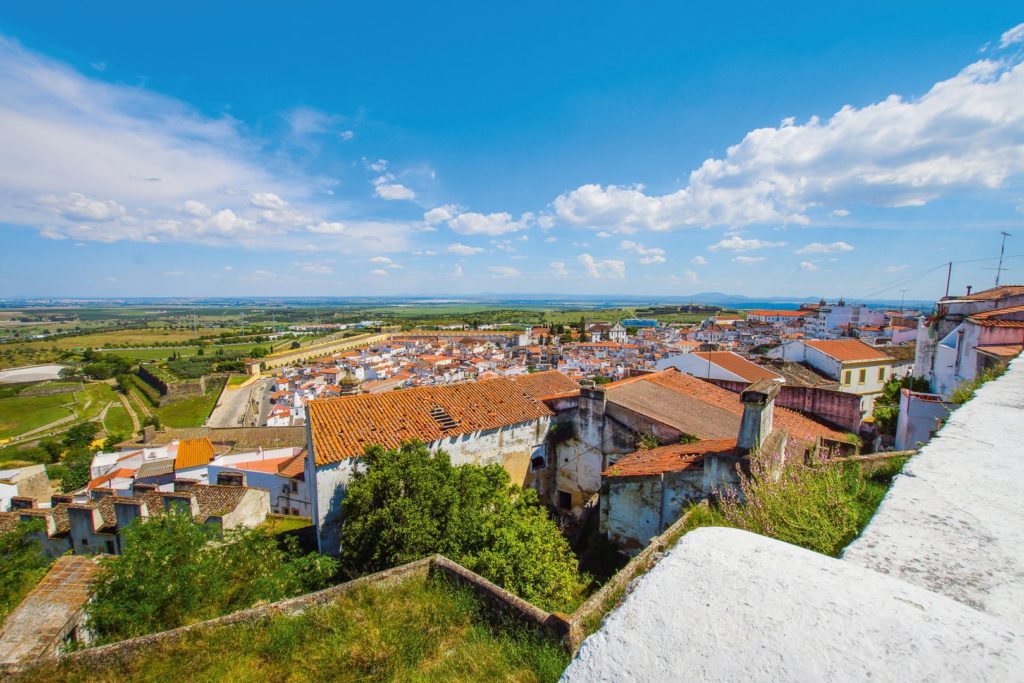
{"x": 538, "y": 461}
{"x": 881, "y": 374}
{"x": 862, "y": 376}
{"x": 564, "y": 500}
{"x": 110, "y": 548}
{"x": 295, "y": 486}
{"x": 848, "y": 377}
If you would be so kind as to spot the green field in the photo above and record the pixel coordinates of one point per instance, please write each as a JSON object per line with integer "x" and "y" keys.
{"x": 190, "y": 412}
{"x": 20, "y": 414}
{"x": 117, "y": 420}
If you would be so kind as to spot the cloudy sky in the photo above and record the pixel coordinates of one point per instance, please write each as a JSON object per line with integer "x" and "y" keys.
{"x": 539, "y": 147}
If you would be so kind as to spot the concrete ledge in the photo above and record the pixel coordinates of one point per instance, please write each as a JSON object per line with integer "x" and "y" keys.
{"x": 728, "y": 605}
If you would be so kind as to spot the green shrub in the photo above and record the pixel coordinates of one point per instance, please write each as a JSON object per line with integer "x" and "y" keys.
{"x": 409, "y": 503}
{"x": 23, "y": 565}
{"x": 172, "y": 573}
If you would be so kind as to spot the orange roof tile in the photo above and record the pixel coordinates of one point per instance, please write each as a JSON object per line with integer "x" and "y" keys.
{"x": 847, "y": 350}
{"x": 194, "y": 453}
{"x": 737, "y": 365}
{"x": 547, "y": 384}
{"x": 294, "y": 466}
{"x": 122, "y": 473}
{"x": 779, "y": 314}
{"x": 672, "y": 458}
{"x": 343, "y": 427}
{"x": 269, "y": 465}
{"x": 995, "y": 293}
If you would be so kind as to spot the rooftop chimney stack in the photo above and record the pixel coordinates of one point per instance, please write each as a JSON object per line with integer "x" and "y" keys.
{"x": 968, "y": 290}
{"x": 758, "y": 409}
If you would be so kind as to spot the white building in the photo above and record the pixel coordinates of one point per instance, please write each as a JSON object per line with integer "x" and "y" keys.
{"x": 859, "y": 368}
{"x": 832, "y": 319}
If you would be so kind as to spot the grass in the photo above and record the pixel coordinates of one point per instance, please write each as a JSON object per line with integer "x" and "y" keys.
{"x": 117, "y": 420}
{"x": 22, "y": 414}
{"x": 236, "y": 380}
{"x": 278, "y": 524}
{"x": 420, "y": 630}
{"x": 190, "y": 412}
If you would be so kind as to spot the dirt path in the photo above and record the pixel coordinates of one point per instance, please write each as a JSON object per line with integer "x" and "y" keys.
{"x": 136, "y": 425}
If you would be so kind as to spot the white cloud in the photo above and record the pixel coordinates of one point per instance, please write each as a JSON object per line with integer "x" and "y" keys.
{"x": 440, "y": 214}
{"x": 197, "y": 209}
{"x": 691, "y": 277}
{"x": 314, "y": 268}
{"x": 384, "y": 188}
{"x": 379, "y": 273}
{"x": 809, "y": 266}
{"x": 462, "y": 249}
{"x": 839, "y": 213}
{"x": 267, "y": 200}
{"x": 748, "y": 260}
{"x": 558, "y": 269}
{"x": 310, "y": 121}
{"x": 819, "y": 248}
{"x": 97, "y": 161}
{"x": 603, "y": 234}
{"x": 737, "y": 243}
{"x": 699, "y": 261}
{"x": 346, "y": 135}
{"x": 376, "y": 166}
{"x": 611, "y": 269}
{"x": 457, "y": 271}
{"x": 649, "y": 255}
{"x": 1012, "y": 37}
{"x": 76, "y": 206}
{"x": 504, "y": 271}
{"x": 965, "y": 134}
{"x": 550, "y": 239}
{"x": 545, "y": 221}
{"x": 175, "y": 273}
{"x": 896, "y": 269}
{"x": 385, "y": 261}
{"x": 472, "y": 223}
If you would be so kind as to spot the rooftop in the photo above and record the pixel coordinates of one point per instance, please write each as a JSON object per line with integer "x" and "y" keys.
{"x": 194, "y": 453}
{"x": 671, "y": 458}
{"x": 994, "y": 294}
{"x": 547, "y": 384}
{"x": 36, "y": 625}
{"x": 737, "y": 365}
{"x": 847, "y": 350}
{"x": 343, "y": 427}
{"x": 700, "y": 408}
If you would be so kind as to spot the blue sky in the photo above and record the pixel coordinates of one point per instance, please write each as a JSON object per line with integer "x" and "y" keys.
{"x": 252, "y": 149}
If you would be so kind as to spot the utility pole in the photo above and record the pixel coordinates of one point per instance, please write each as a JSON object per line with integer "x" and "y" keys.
{"x": 949, "y": 274}
{"x": 903, "y": 295}
{"x": 1002, "y": 249}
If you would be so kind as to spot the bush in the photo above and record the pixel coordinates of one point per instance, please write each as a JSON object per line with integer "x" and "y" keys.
{"x": 965, "y": 390}
{"x": 409, "y": 504}
{"x": 820, "y": 508}
{"x": 171, "y": 574}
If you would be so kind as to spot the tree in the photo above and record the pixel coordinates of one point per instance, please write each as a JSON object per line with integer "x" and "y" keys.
{"x": 81, "y": 435}
{"x": 152, "y": 421}
{"x": 23, "y": 566}
{"x": 409, "y": 503}
{"x": 295, "y": 345}
{"x": 887, "y": 406}
{"x": 170, "y": 574}
{"x": 77, "y": 470}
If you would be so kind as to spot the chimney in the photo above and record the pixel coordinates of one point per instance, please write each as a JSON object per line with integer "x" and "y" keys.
{"x": 56, "y": 499}
{"x": 183, "y": 502}
{"x": 968, "y": 290}
{"x": 184, "y": 485}
{"x": 140, "y": 489}
{"x": 758, "y": 409}
{"x": 127, "y": 509}
{"x": 148, "y": 434}
{"x": 22, "y": 503}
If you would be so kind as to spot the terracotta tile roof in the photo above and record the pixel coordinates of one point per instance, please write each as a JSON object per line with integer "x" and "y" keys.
{"x": 343, "y": 427}
{"x": 269, "y": 465}
{"x": 737, "y": 365}
{"x": 700, "y": 408}
{"x": 547, "y": 384}
{"x": 1002, "y": 350}
{"x": 217, "y": 500}
{"x": 847, "y": 350}
{"x": 122, "y": 473}
{"x": 194, "y": 453}
{"x": 672, "y": 458}
{"x": 294, "y": 467}
{"x": 995, "y": 293}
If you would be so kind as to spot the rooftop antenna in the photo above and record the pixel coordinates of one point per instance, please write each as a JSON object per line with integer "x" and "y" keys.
{"x": 903, "y": 295}
{"x": 1002, "y": 248}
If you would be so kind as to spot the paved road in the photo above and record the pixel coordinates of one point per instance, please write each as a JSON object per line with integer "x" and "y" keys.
{"x": 231, "y": 404}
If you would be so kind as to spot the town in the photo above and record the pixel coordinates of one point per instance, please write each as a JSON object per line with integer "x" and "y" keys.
{"x": 511, "y": 342}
